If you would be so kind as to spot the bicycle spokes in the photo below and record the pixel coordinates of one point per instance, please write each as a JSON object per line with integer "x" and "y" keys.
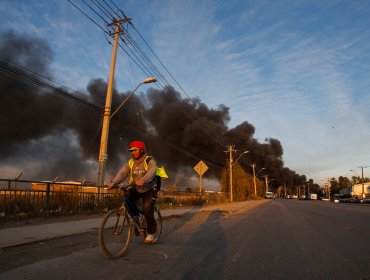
{"x": 114, "y": 234}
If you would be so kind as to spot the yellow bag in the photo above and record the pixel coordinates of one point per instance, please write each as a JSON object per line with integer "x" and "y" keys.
{"x": 161, "y": 173}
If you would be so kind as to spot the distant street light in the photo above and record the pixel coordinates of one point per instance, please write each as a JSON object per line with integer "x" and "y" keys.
{"x": 260, "y": 171}
{"x": 267, "y": 182}
{"x": 231, "y": 171}
{"x": 328, "y": 188}
{"x": 254, "y": 177}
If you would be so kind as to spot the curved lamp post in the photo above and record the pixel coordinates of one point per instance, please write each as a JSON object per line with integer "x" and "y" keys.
{"x": 254, "y": 177}
{"x": 267, "y": 182}
{"x": 146, "y": 81}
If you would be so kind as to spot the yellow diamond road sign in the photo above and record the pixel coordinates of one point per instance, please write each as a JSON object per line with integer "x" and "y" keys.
{"x": 201, "y": 168}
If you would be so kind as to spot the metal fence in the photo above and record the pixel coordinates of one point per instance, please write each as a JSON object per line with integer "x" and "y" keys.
{"x": 17, "y": 197}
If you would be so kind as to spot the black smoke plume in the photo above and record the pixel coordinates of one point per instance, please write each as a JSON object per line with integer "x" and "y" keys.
{"x": 45, "y": 134}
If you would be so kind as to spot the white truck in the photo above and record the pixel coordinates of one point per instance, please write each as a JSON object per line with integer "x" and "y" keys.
{"x": 269, "y": 195}
{"x": 313, "y": 196}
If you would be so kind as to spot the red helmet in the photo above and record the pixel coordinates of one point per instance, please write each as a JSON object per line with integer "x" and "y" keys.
{"x": 137, "y": 145}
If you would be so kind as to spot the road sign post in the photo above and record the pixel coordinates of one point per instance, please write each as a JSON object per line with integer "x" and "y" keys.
{"x": 200, "y": 168}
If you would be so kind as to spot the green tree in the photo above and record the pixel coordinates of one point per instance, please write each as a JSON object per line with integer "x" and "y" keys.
{"x": 344, "y": 182}
{"x": 242, "y": 183}
{"x": 334, "y": 186}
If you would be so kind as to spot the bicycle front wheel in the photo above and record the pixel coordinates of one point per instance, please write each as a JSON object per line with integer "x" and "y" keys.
{"x": 115, "y": 234}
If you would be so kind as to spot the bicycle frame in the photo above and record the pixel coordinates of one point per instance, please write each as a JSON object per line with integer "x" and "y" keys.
{"x": 115, "y": 231}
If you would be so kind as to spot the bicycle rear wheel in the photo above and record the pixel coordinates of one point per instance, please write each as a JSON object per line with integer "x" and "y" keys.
{"x": 115, "y": 234}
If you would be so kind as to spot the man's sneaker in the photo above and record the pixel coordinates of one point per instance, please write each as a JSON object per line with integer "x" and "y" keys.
{"x": 149, "y": 238}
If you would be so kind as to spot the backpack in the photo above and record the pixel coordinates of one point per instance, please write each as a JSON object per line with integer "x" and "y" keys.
{"x": 160, "y": 173}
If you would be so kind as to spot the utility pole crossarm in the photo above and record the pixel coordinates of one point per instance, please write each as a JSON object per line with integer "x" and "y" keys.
{"x": 118, "y": 23}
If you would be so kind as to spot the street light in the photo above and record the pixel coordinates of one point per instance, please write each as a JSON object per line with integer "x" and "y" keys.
{"x": 267, "y": 182}
{"x": 231, "y": 171}
{"x": 146, "y": 81}
{"x": 103, "y": 156}
{"x": 254, "y": 177}
{"x": 328, "y": 188}
{"x": 245, "y": 152}
{"x": 260, "y": 171}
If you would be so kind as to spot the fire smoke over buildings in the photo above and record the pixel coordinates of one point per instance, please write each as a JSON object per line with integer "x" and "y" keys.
{"x": 44, "y": 134}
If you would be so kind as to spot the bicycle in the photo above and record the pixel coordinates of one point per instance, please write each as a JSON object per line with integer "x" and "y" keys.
{"x": 116, "y": 229}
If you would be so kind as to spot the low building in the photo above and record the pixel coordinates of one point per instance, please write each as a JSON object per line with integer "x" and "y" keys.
{"x": 356, "y": 190}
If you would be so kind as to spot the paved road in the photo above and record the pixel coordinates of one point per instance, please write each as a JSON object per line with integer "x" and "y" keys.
{"x": 280, "y": 239}
{"x": 14, "y": 236}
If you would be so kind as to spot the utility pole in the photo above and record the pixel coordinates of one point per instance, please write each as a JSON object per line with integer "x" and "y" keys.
{"x": 231, "y": 163}
{"x": 362, "y": 181}
{"x": 308, "y": 188}
{"x": 231, "y": 150}
{"x": 254, "y": 178}
{"x": 103, "y": 156}
{"x": 285, "y": 190}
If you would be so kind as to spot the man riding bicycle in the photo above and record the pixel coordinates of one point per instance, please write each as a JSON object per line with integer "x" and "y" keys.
{"x": 141, "y": 169}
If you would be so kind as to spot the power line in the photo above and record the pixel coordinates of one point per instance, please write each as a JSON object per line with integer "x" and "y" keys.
{"x": 101, "y": 28}
{"x": 101, "y": 8}
{"x": 145, "y": 64}
{"x": 26, "y": 76}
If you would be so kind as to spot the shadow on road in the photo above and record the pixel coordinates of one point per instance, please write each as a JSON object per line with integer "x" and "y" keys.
{"x": 203, "y": 251}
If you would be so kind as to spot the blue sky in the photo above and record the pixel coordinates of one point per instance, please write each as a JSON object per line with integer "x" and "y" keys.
{"x": 299, "y": 71}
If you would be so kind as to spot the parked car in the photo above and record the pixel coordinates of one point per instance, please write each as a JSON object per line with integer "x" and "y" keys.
{"x": 335, "y": 199}
{"x": 350, "y": 200}
{"x": 365, "y": 201}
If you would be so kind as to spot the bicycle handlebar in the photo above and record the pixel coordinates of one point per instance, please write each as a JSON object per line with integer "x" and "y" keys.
{"x": 123, "y": 187}
{"x": 140, "y": 189}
